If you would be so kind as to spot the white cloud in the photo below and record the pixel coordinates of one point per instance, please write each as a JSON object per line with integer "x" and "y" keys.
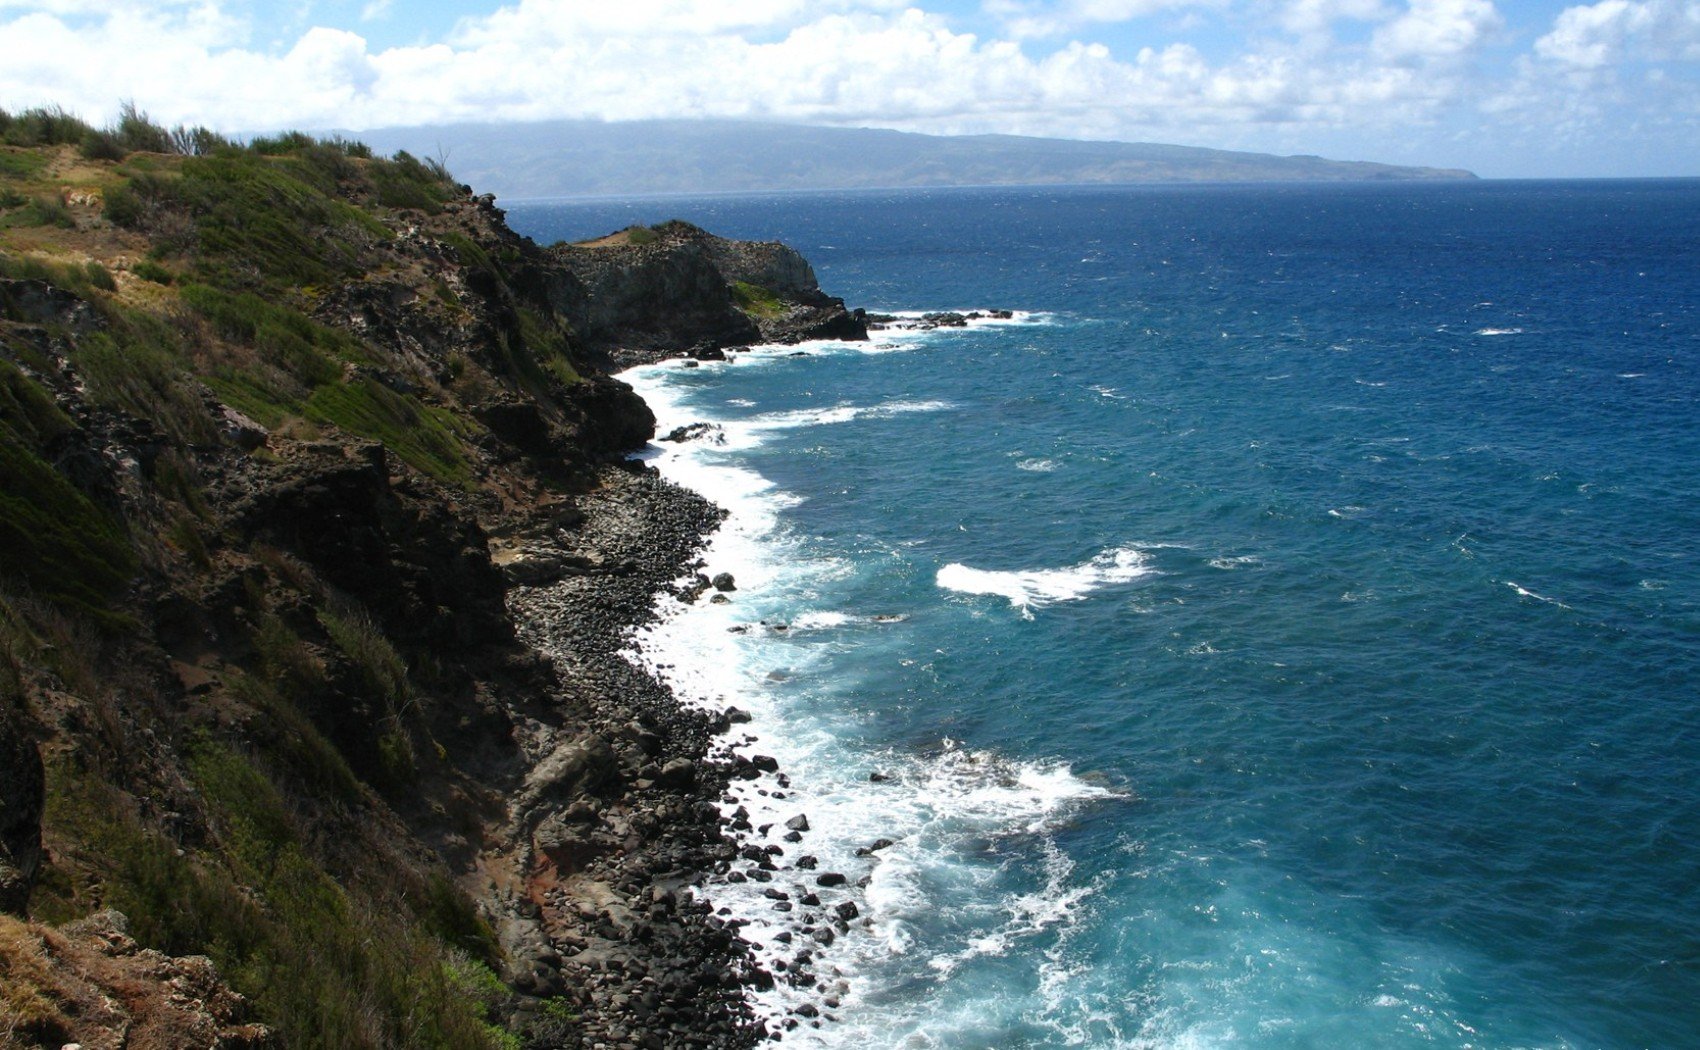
{"x": 1436, "y": 29}
{"x": 1312, "y": 18}
{"x": 861, "y": 63}
{"x": 1317, "y": 70}
{"x": 1604, "y": 34}
{"x": 1035, "y": 19}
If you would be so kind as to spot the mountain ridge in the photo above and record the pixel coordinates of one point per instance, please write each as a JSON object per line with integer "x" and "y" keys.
{"x": 582, "y": 158}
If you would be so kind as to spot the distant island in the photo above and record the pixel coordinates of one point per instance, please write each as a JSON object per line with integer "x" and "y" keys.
{"x": 582, "y": 158}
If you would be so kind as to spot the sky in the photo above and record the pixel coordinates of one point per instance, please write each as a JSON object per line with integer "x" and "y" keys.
{"x": 1506, "y": 88}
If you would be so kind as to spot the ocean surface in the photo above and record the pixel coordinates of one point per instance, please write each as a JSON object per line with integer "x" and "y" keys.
{"x": 1283, "y": 631}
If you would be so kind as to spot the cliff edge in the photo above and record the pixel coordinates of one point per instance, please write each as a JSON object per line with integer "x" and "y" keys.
{"x": 317, "y": 548}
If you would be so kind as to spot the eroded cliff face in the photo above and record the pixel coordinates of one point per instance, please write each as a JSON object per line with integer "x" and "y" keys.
{"x": 650, "y": 292}
{"x": 318, "y": 550}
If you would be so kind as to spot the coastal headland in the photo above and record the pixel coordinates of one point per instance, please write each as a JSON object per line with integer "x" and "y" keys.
{"x": 318, "y": 547}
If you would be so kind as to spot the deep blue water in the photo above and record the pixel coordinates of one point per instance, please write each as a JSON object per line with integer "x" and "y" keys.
{"x": 1284, "y": 634}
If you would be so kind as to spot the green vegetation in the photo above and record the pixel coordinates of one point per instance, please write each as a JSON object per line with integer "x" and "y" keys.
{"x": 407, "y": 182}
{"x": 57, "y": 542}
{"x": 42, "y": 126}
{"x": 384, "y": 675}
{"x": 36, "y": 211}
{"x": 245, "y": 220}
{"x": 148, "y": 270}
{"x": 754, "y": 299}
{"x": 327, "y": 964}
{"x": 21, "y": 164}
{"x": 424, "y": 436}
{"x": 243, "y": 813}
{"x": 68, "y": 276}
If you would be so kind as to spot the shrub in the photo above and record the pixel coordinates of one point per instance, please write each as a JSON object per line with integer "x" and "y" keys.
{"x": 103, "y": 144}
{"x": 326, "y": 965}
{"x": 148, "y": 270}
{"x": 407, "y": 182}
{"x": 197, "y": 141}
{"x": 280, "y": 144}
{"x": 100, "y": 276}
{"x": 42, "y": 126}
{"x": 39, "y": 211}
{"x": 138, "y": 133}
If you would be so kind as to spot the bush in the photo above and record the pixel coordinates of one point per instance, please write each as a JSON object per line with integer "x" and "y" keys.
{"x": 139, "y": 134}
{"x": 407, "y": 182}
{"x": 197, "y": 141}
{"x": 148, "y": 270}
{"x": 326, "y": 965}
{"x": 278, "y": 145}
{"x": 44, "y": 211}
{"x": 42, "y": 126}
{"x": 103, "y": 144}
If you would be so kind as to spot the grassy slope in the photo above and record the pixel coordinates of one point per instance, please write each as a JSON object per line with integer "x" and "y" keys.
{"x": 213, "y": 821}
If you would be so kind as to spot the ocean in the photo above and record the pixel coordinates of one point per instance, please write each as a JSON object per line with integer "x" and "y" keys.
{"x": 1283, "y": 630}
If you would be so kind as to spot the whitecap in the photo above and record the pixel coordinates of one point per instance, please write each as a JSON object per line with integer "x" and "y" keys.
{"x": 1526, "y": 593}
{"x": 1030, "y": 588}
{"x": 1499, "y": 331}
{"x": 1235, "y": 562}
{"x": 1037, "y": 466}
{"x": 809, "y": 417}
{"x": 815, "y": 621}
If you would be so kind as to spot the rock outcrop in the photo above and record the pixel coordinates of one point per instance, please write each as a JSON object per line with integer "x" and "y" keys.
{"x": 679, "y": 288}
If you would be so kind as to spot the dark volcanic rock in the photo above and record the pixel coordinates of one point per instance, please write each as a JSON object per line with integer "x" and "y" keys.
{"x": 21, "y": 801}
{"x": 677, "y": 293}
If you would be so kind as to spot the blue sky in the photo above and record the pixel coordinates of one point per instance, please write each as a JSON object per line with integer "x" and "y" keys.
{"x": 1507, "y": 88}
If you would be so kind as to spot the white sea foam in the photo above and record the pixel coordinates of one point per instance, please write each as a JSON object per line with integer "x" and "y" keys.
{"x": 1037, "y": 466}
{"x": 815, "y": 621}
{"x": 1030, "y": 588}
{"x": 939, "y": 808}
{"x": 1235, "y": 562}
{"x": 1499, "y": 331}
{"x": 1526, "y": 593}
{"x": 911, "y": 320}
{"x": 811, "y": 417}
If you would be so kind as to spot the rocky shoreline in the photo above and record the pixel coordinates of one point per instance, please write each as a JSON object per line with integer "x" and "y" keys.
{"x": 620, "y": 818}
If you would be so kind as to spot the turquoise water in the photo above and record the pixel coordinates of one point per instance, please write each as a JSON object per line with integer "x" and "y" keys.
{"x": 1282, "y": 633}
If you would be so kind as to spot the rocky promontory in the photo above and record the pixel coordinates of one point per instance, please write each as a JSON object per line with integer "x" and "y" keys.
{"x": 318, "y": 548}
{"x": 647, "y": 292}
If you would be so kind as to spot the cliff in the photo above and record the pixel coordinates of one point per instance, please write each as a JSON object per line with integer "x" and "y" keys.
{"x": 720, "y": 293}
{"x": 316, "y": 551}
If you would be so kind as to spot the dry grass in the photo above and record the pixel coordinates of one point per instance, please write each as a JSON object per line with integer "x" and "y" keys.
{"x": 28, "y": 1009}
{"x": 631, "y": 235}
